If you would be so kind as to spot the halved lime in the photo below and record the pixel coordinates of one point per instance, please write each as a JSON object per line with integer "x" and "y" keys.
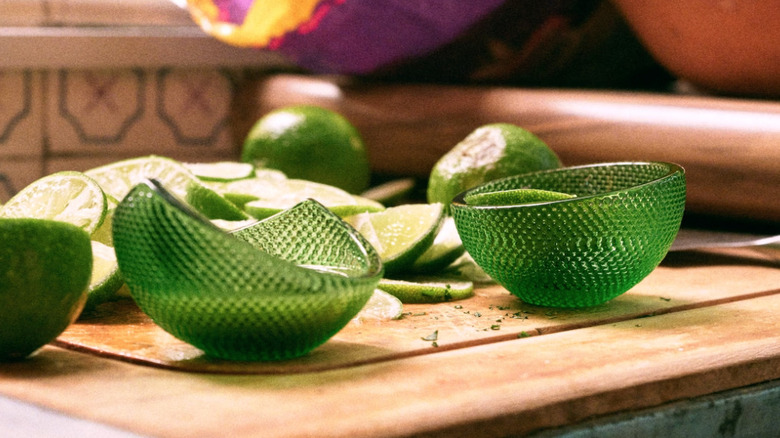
{"x": 221, "y": 171}
{"x": 446, "y": 248}
{"x": 490, "y": 152}
{"x": 106, "y": 278}
{"x": 68, "y": 196}
{"x": 400, "y": 234}
{"x": 381, "y": 306}
{"x": 427, "y": 290}
{"x": 44, "y": 271}
{"x": 515, "y": 197}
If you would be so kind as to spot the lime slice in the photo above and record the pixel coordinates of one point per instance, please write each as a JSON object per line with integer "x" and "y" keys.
{"x": 221, "y": 171}
{"x": 106, "y": 279}
{"x": 381, "y": 306}
{"x": 211, "y": 204}
{"x": 67, "y": 196}
{"x": 400, "y": 234}
{"x": 275, "y": 196}
{"x": 427, "y": 290}
{"x": 446, "y": 248}
{"x": 391, "y": 192}
{"x": 515, "y": 197}
{"x": 119, "y": 177}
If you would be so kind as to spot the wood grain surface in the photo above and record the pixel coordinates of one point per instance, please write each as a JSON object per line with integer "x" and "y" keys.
{"x": 730, "y": 148}
{"x": 120, "y": 330}
{"x": 719, "y": 332}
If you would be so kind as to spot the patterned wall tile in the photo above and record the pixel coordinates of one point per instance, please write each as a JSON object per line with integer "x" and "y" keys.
{"x": 17, "y": 173}
{"x": 133, "y": 111}
{"x": 20, "y": 113}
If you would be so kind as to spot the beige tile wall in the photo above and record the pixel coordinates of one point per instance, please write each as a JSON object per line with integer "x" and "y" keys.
{"x": 83, "y": 84}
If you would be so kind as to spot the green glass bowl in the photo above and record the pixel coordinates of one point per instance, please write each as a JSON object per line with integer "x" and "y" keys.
{"x": 272, "y": 291}
{"x": 580, "y": 251}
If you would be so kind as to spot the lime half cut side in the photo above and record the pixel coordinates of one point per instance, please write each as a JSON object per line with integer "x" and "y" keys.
{"x": 68, "y": 196}
{"x": 119, "y": 177}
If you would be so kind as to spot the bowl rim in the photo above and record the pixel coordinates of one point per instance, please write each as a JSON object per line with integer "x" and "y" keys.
{"x": 371, "y": 271}
{"x": 673, "y": 168}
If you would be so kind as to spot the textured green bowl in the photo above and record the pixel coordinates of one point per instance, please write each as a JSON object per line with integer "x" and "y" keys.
{"x": 581, "y": 251}
{"x": 273, "y": 291}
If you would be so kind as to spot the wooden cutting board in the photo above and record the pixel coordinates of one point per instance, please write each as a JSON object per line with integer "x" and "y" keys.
{"x": 119, "y": 330}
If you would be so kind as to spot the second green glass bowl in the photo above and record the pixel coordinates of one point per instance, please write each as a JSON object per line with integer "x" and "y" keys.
{"x": 581, "y": 251}
{"x": 272, "y": 291}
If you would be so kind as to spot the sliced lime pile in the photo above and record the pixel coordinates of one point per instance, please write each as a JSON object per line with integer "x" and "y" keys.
{"x": 118, "y": 178}
{"x": 400, "y": 234}
{"x": 427, "y": 290}
{"x": 273, "y": 196}
{"x": 515, "y": 197}
{"x": 71, "y": 197}
{"x": 221, "y": 171}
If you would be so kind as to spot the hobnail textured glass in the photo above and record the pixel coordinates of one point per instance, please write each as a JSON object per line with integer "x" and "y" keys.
{"x": 272, "y": 291}
{"x": 581, "y": 251}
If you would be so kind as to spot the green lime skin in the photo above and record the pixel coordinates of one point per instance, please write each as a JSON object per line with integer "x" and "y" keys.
{"x": 312, "y": 143}
{"x": 490, "y": 152}
{"x": 45, "y": 267}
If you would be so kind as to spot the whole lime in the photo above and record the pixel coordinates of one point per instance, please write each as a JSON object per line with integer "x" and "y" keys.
{"x": 309, "y": 142}
{"x": 490, "y": 152}
{"x": 45, "y": 268}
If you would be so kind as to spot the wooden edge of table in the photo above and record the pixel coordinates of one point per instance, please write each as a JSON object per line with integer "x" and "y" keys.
{"x": 516, "y": 386}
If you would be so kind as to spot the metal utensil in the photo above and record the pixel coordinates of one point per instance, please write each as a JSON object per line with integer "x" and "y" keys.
{"x": 695, "y": 239}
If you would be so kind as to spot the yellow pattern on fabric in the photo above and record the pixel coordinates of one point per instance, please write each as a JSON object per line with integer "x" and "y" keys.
{"x": 265, "y": 20}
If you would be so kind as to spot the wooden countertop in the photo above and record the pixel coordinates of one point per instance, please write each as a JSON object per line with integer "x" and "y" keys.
{"x": 699, "y": 324}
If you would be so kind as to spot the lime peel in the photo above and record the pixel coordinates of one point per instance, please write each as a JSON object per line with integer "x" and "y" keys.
{"x": 427, "y": 290}
{"x": 514, "y": 197}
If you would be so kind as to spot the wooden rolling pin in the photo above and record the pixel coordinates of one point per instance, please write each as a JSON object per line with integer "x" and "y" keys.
{"x": 730, "y": 148}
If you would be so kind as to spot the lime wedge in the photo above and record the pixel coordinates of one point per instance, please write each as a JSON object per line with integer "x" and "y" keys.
{"x": 275, "y": 196}
{"x": 400, "y": 234}
{"x": 67, "y": 196}
{"x": 106, "y": 279}
{"x": 446, "y": 248}
{"x": 221, "y": 171}
{"x": 515, "y": 197}
{"x": 381, "y": 306}
{"x": 428, "y": 290}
